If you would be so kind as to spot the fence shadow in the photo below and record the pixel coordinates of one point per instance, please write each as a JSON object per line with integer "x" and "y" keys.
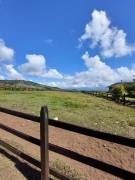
{"x": 27, "y": 171}
{"x": 32, "y": 174}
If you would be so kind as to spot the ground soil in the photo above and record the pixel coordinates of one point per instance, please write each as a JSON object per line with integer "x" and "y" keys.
{"x": 12, "y": 167}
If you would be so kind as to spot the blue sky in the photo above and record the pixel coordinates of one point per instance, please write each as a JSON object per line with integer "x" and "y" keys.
{"x": 48, "y": 42}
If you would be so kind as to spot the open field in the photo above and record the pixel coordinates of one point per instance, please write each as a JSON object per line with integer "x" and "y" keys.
{"x": 78, "y": 108}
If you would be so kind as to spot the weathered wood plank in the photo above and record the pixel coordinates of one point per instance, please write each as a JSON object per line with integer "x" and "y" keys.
{"x": 81, "y": 130}
{"x": 44, "y": 149}
{"x": 116, "y": 171}
{"x": 20, "y": 134}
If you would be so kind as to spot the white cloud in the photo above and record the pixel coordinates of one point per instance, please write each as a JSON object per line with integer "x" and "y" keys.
{"x": 6, "y": 53}
{"x": 2, "y": 77}
{"x": 6, "y": 69}
{"x": 53, "y": 84}
{"x": 12, "y": 73}
{"x": 52, "y": 73}
{"x": 36, "y": 66}
{"x": 97, "y": 75}
{"x": 111, "y": 40}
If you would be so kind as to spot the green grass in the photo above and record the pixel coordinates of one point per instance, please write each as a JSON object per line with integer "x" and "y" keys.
{"x": 131, "y": 123}
{"x": 77, "y": 108}
{"x": 66, "y": 170}
{"x": 130, "y": 98}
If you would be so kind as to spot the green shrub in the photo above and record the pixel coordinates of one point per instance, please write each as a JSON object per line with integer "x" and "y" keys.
{"x": 118, "y": 92}
{"x": 131, "y": 94}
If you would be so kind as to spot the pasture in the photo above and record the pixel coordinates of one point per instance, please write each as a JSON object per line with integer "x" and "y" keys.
{"x": 74, "y": 107}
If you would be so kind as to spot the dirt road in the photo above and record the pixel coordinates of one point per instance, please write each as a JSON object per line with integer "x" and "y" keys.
{"x": 12, "y": 167}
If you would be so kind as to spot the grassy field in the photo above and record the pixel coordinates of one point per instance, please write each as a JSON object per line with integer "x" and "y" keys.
{"x": 77, "y": 108}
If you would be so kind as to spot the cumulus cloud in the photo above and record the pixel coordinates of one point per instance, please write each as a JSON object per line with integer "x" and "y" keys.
{"x": 2, "y": 77}
{"x": 52, "y": 73}
{"x": 110, "y": 39}
{"x": 12, "y": 73}
{"x": 6, "y": 56}
{"x": 36, "y": 66}
{"x": 97, "y": 75}
{"x": 6, "y": 53}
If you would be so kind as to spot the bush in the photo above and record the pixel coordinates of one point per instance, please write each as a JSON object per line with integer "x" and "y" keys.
{"x": 118, "y": 92}
{"x": 131, "y": 94}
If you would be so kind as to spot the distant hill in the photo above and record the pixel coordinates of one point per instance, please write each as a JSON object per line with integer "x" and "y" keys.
{"x": 25, "y": 85}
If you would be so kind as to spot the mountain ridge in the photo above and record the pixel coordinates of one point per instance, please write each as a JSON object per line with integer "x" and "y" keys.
{"x": 25, "y": 85}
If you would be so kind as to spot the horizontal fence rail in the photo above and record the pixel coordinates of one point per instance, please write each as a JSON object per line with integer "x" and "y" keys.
{"x": 130, "y": 142}
{"x": 21, "y": 135}
{"x": 20, "y": 114}
{"x": 32, "y": 160}
{"x": 76, "y": 156}
{"x": 44, "y": 145}
{"x": 20, "y": 154}
{"x": 90, "y": 161}
{"x": 93, "y": 162}
{"x": 94, "y": 133}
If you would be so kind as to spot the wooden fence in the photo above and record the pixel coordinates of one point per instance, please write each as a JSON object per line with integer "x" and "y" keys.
{"x": 107, "y": 95}
{"x": 45, "y": 146}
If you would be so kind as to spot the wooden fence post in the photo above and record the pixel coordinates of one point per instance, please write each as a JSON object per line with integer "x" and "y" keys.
{"x": 124, "y": 99}
{"x": 44, "y": 143}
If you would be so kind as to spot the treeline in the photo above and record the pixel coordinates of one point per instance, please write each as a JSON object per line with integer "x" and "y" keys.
{"x": 130, "y": 88}
{"x": 21, "y": 89}
{"x": 120, "y": 93}
{"x": 120, "y": 90}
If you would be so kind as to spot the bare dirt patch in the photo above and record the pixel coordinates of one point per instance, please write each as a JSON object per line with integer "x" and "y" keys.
{"x": 13, "y": 168}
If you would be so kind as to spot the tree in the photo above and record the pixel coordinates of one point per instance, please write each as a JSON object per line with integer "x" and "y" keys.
{"x": 118, "y": 92}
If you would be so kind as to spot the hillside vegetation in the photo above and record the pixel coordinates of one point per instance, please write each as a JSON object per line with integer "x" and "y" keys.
{"x": 129, "y": 87}
{"x": 24, "y": 85}
{"x": 78, "y": 108}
